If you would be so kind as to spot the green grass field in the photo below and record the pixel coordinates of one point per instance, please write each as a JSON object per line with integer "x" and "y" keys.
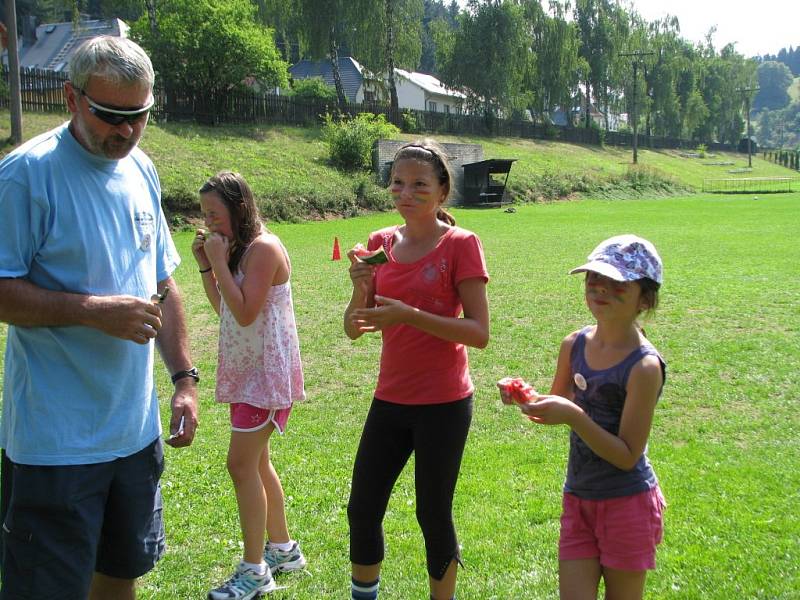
{"x": 724, "y": 442}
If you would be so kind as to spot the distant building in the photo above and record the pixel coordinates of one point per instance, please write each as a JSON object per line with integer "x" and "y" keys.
{"x": 424, "y": 92}
{"x": 50, "y": 46}
{"x": 414, "y": 90}
{"x": 350, "y": 71}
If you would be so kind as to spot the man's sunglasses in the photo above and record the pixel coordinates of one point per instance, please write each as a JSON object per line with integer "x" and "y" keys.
{"x": 116, "y": 116}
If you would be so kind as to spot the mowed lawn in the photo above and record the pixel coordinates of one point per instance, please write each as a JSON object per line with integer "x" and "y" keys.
{"x": 724, "y": 441}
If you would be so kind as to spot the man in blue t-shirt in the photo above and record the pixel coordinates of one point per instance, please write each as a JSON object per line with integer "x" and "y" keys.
{"x": 86, "y": 259}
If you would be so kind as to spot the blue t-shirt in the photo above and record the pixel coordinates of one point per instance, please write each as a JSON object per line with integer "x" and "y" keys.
{"x": 76, "y": 222}
{"x": 601, "y": 394}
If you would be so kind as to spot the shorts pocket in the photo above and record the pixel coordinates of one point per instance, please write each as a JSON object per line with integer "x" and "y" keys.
{"x": 658, "y": 504}
{"x": 20, "y": 560}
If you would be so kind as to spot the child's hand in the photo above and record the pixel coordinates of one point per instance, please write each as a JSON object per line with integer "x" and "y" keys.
{"x": 198, "y": 251}
{"x": 361, "y": 274}
{"x": 216, "y": 248}
{"x": 387, "y": 312}
{"x": 551, "y": 410}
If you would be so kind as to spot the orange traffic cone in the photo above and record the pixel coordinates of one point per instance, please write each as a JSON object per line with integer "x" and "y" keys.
{"x": 337, "y": 255}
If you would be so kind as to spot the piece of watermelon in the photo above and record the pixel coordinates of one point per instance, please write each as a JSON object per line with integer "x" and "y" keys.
{"x": 520, "y": 391}
{"x": 374, "y": 257}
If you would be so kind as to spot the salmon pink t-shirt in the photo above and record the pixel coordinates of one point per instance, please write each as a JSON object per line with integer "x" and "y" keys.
{"x": 417, "y": 367}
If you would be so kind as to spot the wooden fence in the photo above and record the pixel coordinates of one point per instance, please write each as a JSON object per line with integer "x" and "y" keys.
{"x": 42, "y": 92}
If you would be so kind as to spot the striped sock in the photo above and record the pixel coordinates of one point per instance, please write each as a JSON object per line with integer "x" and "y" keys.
{"x": 364, "y": 590}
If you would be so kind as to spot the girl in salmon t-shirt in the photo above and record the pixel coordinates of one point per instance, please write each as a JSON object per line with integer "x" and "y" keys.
{"x": 429, "y": 303}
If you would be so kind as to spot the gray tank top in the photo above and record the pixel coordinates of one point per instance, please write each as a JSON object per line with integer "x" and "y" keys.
{"x": 601, "y": 395}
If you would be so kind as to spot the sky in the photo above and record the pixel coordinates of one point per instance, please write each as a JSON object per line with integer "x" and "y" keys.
{"x": 758, "y": 27}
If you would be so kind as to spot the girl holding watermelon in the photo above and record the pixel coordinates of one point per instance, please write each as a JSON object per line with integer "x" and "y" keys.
{"x": 246, "y": 275}
{"x": 608, "y": 380}
{"x": 428, "y": 301}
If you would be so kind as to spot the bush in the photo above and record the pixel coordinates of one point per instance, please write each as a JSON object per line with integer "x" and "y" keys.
{"x": 350, "y": 140}
{"x": 371, "y": 196}
{"x": 410, "y": 122}
{"x": 701, "y": 150}
{"x": 550, "y": 131}
{"x": 313, "y": 89}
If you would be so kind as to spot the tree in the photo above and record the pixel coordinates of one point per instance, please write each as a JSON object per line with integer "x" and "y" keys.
{"x": 210, "y": 46}
{"x": 324, "y": 25}
{"x": 487, "y": 56}
{"x": 557, "y": 67}
{"x": 774, "y": 79}
{"x": 389, "y": 35}
{"x": 434, "y": 10}
{"x": 596, "y": 48}
{"x": 282, "y": 16}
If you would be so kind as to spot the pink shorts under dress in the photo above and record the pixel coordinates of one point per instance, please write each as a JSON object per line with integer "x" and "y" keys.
{"x": 622, "y": 532}
{"x": 246, "y": 417}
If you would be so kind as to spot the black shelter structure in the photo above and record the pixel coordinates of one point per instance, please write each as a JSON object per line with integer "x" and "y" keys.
{"x": 483, "y": 181}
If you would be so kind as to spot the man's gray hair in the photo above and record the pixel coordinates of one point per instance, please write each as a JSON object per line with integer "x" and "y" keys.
{"x": 115, "y": 59}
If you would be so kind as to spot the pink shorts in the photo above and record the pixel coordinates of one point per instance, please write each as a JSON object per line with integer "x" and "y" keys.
{"x": 246, "y": 417}
{"x": 622, "y": 532}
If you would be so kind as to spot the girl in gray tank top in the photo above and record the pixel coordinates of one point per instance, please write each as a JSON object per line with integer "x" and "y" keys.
{"x": 608, "y": 380}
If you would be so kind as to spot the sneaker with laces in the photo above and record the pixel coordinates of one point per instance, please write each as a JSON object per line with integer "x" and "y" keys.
{"x": 284, "y": 560}
{"x": 244, "y": 584}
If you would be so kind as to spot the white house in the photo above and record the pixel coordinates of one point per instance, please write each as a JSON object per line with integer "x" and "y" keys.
{"x": 424, "y": 92}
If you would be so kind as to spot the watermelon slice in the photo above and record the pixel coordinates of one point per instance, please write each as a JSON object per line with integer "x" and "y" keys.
{"x": 374, "y": 257}
{"x": 520, "y": 391}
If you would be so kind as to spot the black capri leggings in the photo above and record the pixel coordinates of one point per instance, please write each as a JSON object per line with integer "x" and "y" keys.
{"x": 436, "y": 433}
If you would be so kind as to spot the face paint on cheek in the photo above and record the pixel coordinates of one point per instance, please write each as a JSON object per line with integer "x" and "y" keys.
{"x": 422, "y": 197}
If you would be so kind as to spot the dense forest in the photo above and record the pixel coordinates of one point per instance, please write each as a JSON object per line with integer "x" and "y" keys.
{"x": 790, "y": 57}
{"x": 515, "y": 58}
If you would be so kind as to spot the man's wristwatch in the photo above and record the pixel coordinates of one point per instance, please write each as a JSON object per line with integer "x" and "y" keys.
{"x": 193, "y": 373}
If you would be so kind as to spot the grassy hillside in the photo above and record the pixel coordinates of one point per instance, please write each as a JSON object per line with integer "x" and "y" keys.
{"x": 288, "y": 169}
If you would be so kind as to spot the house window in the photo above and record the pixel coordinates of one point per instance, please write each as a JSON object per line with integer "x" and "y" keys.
{"x": 447, "y": 108}
{"x": 431, "y": 106}
{"x": 369, "y": 96}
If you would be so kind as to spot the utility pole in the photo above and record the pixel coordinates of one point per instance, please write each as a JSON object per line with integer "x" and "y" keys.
{"x": 635, "y": 63}
{"x": 748, "y": 92}
{"x": 15, "y": 95}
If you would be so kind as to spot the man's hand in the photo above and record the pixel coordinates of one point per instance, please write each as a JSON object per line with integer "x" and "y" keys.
{"x": 183, "y": 423}
{"x": 125, "y": 317}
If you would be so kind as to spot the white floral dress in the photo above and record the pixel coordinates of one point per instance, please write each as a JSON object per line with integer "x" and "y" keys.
{"x": 260, "y": 364}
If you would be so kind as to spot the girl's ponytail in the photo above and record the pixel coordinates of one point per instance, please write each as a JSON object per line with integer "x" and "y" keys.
{"x": 445, "y": 216}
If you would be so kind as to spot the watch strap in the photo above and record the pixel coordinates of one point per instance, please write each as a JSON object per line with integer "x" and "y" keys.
{"x": 193, "y": 373}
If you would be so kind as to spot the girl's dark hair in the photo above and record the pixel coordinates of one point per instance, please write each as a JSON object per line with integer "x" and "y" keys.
{"x": 238, "y": 199}
{"x": 429, "y": 151}
{"x": 649, "y": 290}
{"x": 649, "y": 293}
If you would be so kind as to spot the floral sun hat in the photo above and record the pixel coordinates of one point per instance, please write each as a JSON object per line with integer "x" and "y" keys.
{"x": 624, "y": 258}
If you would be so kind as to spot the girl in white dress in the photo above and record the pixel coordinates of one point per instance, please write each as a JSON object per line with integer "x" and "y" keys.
{"x": 245, "y": 271}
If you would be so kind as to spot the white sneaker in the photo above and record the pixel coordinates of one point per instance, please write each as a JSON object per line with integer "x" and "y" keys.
{"x": 244, "y": 584}
{"x": 284, "y": 560}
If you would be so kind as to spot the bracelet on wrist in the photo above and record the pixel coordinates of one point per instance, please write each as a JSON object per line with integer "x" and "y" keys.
{"x": 204, "y": 270}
